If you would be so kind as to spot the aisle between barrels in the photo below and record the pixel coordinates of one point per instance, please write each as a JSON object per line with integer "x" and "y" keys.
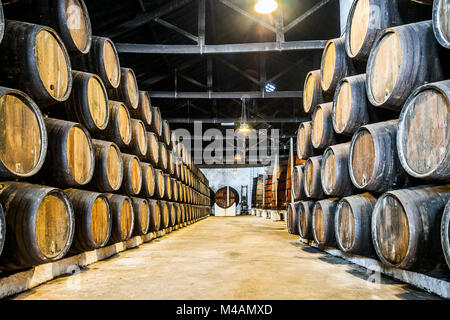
{"x": 225, "y": 258}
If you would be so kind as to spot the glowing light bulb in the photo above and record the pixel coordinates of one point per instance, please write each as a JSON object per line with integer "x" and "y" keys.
{"x": 266, "y": 6}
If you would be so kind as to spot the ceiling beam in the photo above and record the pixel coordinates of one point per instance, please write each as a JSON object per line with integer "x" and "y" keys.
{"x": 236, "y": 120}
{"x": 226, "y": 95}
{"x": 222, "y": 48}
{"x": 177, "y": 29}
{"x": 305, "y": 15}
{"x": 160, "y": 77}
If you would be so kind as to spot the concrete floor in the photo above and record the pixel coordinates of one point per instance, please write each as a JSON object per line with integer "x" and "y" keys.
{"x": 225, "y": 258}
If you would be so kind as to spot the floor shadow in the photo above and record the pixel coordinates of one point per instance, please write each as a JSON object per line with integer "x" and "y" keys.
{"x": 333, "y": 260}
{"x": 311, "y": 250}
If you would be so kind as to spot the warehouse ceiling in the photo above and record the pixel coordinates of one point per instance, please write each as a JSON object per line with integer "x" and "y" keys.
{"x": 176, "y": 22}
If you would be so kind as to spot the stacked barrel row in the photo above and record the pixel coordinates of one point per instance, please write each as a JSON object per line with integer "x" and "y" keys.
{"x": 375, "y": 181}
{"x": 85, "y": 159}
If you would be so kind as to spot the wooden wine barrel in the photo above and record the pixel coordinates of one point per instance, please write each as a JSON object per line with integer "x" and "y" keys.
{"x": 167, "y": 187}
{"x": 88, "y": 103}
{"x": 132, "y": 175}
{"x": 226, "y": 197}
{"x": 335, "y": 65}
{"x": 334, "y": 171}
{"x": 353, "y": 222}
{"x": 305, "y": 226}
{"x": 103, "y": 60}
{"x": 312, "y": 178}
{"x": 40, "y": 224}
{"x": 127, "y": 91}
{"x": 406, "y": 227}
{"x": 155, "y": 215}
{"x": 38, "y": 64}
{"x": 148, "y": 180}
{"x": 164, "y": 214}
{"x": 323, "y": 222}
{"x": 159, "y": 184}
{"x": 70, "y": 158}
{"x": 119, "y": 125}
{"x": 441, "y": 22}
{"x": 70, "y": 18}
{"x": 423, "y": 138}
{"x": 167, "y": 135}
{"x": 373, "y": 160}
{"x": 122, "y": 216}
{"x": 179, "y": 213}
{"x": 366, "y": 20}
{"x": 172, "y": 214}
{"x": 152, "y": 149}
{"x": 108, "y": 173}
{"x": 163, "y": 161}
{"x": 402, "y": 59}
{"x": 144, "y": 110}
{"x": 2, "y": 229}
{"x": 304, "y": 144}
{"x": 174, "y": 184}
{"x": 292, "y": 218}
{"x": 312, "y": 92}
{"x": 445, "y": 233}
{"x": 157, "y": 123}
{"x": 93, "y": 220}
{"x": 23, "y": 136}
{"x": 138, "y": 144}
{"x": 141, "y": 210}
{"x": 350, "y": 106}
{"x": 171, "y": 163}
{"x": 322, "y": 134}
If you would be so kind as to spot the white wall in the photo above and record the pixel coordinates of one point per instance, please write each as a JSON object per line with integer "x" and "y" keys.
{"x": 345, "y": 9}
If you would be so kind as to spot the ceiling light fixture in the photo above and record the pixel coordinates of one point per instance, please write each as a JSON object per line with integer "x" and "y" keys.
{"x": 266, "y": 6}
{"x": 243, "y": 127}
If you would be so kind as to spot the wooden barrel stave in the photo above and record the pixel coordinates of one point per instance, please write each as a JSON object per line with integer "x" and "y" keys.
{"x": 163, "y": 161}
{"x": 312, "y": 92}
{"x": 156, "y": 125}
{"x": 445, "y": 233}
{"x": 406, "y": 225}
{"x": 141, "y": 210}
{"x": 441, "y": 22}
{"x": 155, "y": 215}
{"x": 108, "y": 174}
{"x": 139, "y": 143}
{"x": 159, "y": 184}
{"x": 148, "y": 180}
{"x": 132, "y": 175}
{"x": 322, "y": 134}
{"x": 304, "y": 143}
{"x": 312, "y": 178}
{"x": 93, "y": 220}
{"x": 127, "y": 91}
{"x": 47, "y": 223}
{"x": 335, "y": 177}
{"x": 305, "y": 210}
{"x": 144, "y": 110}
{"x": 164, "y": 214}
{"x": 118, "y": 129}
{"x": 122, "y": 217}
{"x": 323, "y": 222}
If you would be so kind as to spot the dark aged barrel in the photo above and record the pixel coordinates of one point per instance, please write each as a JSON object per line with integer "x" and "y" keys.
{"x": 423, "y": 137}
{"x": 350, "y": 106}
{"x": 445, "y": 233}
{"x": 171, "y": 163}
{"x": 335, "y": 65}
{"x": 118, "y": 129}
{"x": 2, "y": 229}
{"x": 172, "y": 214}
{"x": 93, "y": 221}
{"x": 152, "y": 149}
{"x": 366, "y": 20}
{"x": 102, "y": 59}
{"x": 70, "y": 18}
{"x": 40, "y": 224}
{"x": 70, "y": 158}
{"x": 441, "y": 22}
{"x": 406, "y": 225}
{"x": 138, "y": 144}
{"x": 312, "y": 179}
{"x": 132, "y": 175}
{"x": 305, "y": 210}
{"x": 179, "y": 213}
{"x": 298, "y": 190}
{"x": 323, "y": 222}
{"x": 402, "y": 59}
{"x": 304, "y": 144}
{"x": 156, "y": 126}
{"x": 155, "y": 215}
{"x": 148, "y": 180}
{"x": 23, "y": 136}
{"x": 322, "y": 134}
{"x": 122, "y": 217}
{"x": 334, "y": 171}
{"x": 312, "y": 92}
{"x": 159, "y": 184}
{"x": 108, "y": 173}
{"x": 353, "y": 222}
{"x": 144, "y": 110}
{"x": 164, "y": 214}
{"x": 373, "y": 160}
{"x": 88, "y": 103}
{"x": 227, "y": 196}
{"x": 141, "y": 210}
{"x": 163, "y": 161}
{"x": 167, "y": 187}
{"x": 166, "y": 132}
{"x": 127, "y": 91}
{"x": 175, "y": 196}
{"x": 292, "y": 218}
{"x": 35, "y": 60}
